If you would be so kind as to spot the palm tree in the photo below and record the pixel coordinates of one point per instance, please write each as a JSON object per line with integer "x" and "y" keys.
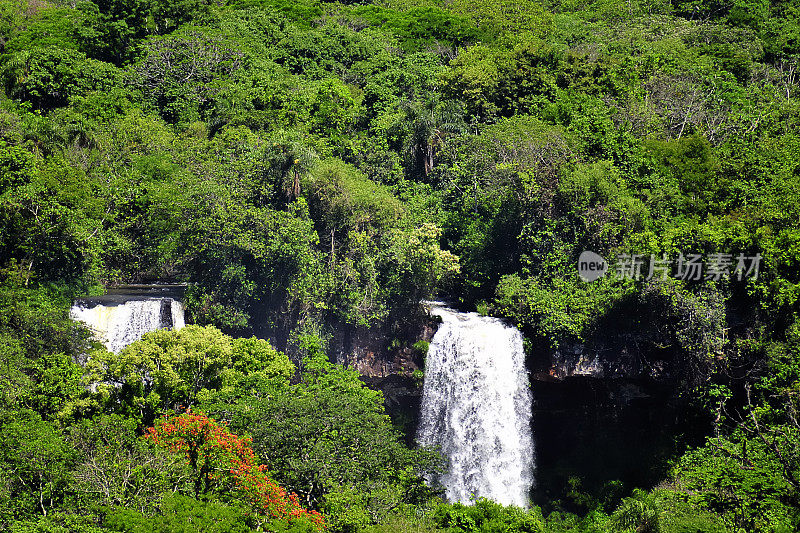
{"x": 289, "y": 160}
{"x": 430, "y": 123}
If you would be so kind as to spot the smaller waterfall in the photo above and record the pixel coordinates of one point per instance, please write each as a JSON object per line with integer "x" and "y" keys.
{"x": 476, "y": 407}
{"x": 178, "y": 317}
{"x": 119, "y": 324}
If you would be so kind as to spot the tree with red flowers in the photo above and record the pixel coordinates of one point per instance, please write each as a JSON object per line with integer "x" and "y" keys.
{"x": 225, "y": 464}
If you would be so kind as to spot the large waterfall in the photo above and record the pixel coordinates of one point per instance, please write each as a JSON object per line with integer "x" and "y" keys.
{"x": 476, "y": 406}
{"x": 118, "y": 320}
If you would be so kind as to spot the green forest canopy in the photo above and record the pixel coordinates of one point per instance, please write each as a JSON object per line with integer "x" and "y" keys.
{"x": 308, "y": 166}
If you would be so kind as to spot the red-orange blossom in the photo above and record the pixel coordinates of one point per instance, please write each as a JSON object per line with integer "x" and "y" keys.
{"x": 223, "y": 461}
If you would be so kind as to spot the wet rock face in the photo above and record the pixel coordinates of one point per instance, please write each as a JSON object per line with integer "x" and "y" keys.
{"x": 576, "y": 359}
{"x": 603, "y": 358}
{"x": 402, "y": 397}
{"x": 380, "y": 354}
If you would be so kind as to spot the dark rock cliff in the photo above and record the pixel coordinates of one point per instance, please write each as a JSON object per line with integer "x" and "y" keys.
{"x": 387, "y": 352}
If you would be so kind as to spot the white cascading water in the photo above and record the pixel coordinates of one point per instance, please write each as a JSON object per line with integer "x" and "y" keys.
{"x": 178, "y": 317}
{"x": 476, "y": 407}
{"x": 117, "y": 326}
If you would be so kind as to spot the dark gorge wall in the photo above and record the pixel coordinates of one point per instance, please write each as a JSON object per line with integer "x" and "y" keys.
{"x": 599, "y": 436}
{"x": 609, "y": 415}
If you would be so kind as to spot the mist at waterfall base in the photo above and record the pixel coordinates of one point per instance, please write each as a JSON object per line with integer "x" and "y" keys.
{"x": 476, "y": 408}
{"x": 124, "y": 315}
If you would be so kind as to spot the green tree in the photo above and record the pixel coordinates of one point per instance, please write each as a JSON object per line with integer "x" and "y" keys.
{"x": 176, "y": 369}
{"x": 116, "y": 468}
{"x": 112, "y": 28}
{"x": 184, "y": 514}
{"x": 39, "y": 347}
{"x": 430, "y": 122}
{"x": 181, "y": 74}
{"x": 326, "y": 435}
{"x": 36, "y": 462}
{"x": 289, "y": 161}
{"x": 49, "y": 76}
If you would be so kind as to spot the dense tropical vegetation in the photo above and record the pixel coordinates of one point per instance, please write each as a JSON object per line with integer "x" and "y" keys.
{"x": 312, "y": 166}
